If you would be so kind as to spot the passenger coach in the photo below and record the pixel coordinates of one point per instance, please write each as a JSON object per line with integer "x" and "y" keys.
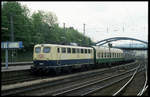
{"x": 108, "y": 56}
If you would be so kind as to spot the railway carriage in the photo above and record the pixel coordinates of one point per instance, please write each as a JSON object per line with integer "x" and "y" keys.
{"x": 108, "y": 56}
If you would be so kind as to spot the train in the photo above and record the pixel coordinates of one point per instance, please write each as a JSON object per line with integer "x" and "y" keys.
{"x": 58, "y": 58}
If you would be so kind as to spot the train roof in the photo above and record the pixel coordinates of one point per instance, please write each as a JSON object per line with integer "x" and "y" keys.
{"x": 106, "y": 49}
{"x": 58, "y": 45}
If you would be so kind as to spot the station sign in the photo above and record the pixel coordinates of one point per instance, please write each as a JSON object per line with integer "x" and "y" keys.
{"x": 10, "y": 45}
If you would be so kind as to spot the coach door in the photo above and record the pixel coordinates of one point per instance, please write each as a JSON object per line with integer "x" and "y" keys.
{"x": 58, "y": 56}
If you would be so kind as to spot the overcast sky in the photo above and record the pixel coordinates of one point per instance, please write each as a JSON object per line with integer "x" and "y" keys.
{"x": 102, "y": 19}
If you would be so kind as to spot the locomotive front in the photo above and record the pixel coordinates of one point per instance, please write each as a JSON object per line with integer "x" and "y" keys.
{"x": 43, "y": 56}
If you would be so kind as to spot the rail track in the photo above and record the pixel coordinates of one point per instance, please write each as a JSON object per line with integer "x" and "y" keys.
{"x": 11, "y": 77}
{"x": 127, "y": 87}
{"x": 145, "y": 87}
{"x": 92, "y": 86}
{"x": 25, "y": 75}
{"x": 19, "y": 79}
{"x": 140, "y": 88}
{"x": 50, "y": 87}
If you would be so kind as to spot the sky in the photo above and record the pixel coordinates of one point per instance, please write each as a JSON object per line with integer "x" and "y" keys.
{"x": 102, "y": 19}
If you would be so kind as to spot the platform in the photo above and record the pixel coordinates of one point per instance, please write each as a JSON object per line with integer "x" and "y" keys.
{"x": 15, "y": 68}
{"x": 12, "y": 63}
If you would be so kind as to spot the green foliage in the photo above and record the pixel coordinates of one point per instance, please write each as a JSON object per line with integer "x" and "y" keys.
{"x": 40, "y": 27}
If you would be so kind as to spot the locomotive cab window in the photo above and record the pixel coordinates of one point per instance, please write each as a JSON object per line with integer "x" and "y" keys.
{"x": 46, "y": 49}
{"x": 37, "y": 49}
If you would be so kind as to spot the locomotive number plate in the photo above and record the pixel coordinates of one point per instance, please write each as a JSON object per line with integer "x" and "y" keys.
{"x": 41, "y": 56}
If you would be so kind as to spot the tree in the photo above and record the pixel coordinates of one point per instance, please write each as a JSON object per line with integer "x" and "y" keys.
{"x": 50, "y": 18}
{"x": 21, "y": 22}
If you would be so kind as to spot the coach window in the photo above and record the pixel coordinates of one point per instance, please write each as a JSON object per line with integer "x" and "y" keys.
{"x": 105, "y": 55}
{"x": 89, "y": 51}
{"x": 63, "y": 50}
{"x": 99, "y": 55}
{"x": 37, "y": 49}
{"x": 73, "y": 50}
{"x": 58, "y": 50}
{"x": 86, "y": 51}
{"x": 68, "y": 50}
{"x": 82, "y": 51}
{"x": 46, "y": 49}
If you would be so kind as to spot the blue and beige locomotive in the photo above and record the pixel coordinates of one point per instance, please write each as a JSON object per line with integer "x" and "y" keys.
{"x": 53, "y": 57}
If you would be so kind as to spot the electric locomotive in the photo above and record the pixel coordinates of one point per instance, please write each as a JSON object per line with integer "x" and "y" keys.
{"x": 47, "y": 57}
